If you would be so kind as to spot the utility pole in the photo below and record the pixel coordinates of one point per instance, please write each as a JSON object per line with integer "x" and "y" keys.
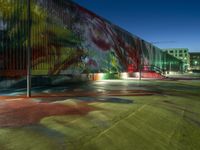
{"x": 29, "y": 49}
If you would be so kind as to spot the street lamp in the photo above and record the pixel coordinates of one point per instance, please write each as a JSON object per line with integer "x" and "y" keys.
{"x": 29, "y": 49}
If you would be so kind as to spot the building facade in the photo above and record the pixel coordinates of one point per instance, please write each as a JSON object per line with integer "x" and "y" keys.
{"x": 67, "y": 39}
{"x": 181, "y": 54}
{"x": 195, "y": 61}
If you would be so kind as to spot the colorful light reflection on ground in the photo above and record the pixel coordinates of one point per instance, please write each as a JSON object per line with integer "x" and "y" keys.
{"x": 97, "y": 115}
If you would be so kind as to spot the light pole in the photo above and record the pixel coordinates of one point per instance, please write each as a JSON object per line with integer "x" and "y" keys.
{"x": 140, "y": 65}
{"x": 29, "y": 49}
{"x": 140, "y": 70}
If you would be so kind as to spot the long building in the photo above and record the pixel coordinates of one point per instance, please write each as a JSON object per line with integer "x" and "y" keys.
{"x": 67, "y": 39}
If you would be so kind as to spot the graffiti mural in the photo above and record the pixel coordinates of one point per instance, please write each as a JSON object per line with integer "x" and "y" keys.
{"x": 68, "y": 39}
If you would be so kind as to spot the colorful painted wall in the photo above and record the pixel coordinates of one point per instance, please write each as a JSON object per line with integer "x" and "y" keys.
{"x": 68, "y": 39}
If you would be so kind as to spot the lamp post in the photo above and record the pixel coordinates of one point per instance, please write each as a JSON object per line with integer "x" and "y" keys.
{"x": 29, "y": 49}
{"x": 140, "y": 69}
{"x": 140, "y": 65}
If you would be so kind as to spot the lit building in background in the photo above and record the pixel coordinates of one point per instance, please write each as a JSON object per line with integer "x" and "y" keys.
{"x": 195, "y": 61}
{"x": 181, "y": 54}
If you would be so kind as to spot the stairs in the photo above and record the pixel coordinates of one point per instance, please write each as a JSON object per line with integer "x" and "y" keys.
{"x": 151, "y": 72}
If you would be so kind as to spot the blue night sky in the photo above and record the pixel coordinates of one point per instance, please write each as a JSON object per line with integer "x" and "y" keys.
{"x": 161, "y": 21}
